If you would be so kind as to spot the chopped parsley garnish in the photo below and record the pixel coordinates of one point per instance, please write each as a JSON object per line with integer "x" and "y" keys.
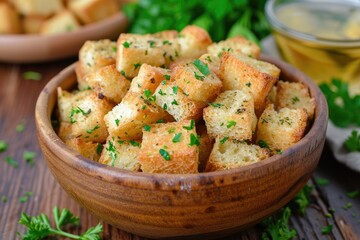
{"x": 3, "y": 146}
{"x": 163, "y": 82}
{"x": 20, "y": 127}
{"x": 203, "y": 68}
{"x": 279, "y": 151}
{"x": 175, "y": 89}
{"x": 165, "y": 106}
{"x": 137, "y": 65}
{"x": 263, "y": 144}
{"x": 166, "y": 42}
{"x": 12, "y": 162}
{"x": 199, "y": 77}
{"x": 114, "y": 49}
{"x": 112, "y": 152}
{"x": 30, "y": 75}
{"x": 322, "y": 181}
{"x": 174, "y": 102}
{"x": 29, "y": 157}
{"x": 143, "y": 107}
{"x": 147, "y": 94}
{"x": 147, "y": 128}
{"x": 194, "y": 140}
{"x": 295, "y": 99}
{"x": 135, "y": 143}
{"x": 277, "y": 226}
{"x": 99, "y": 148}
{"x": 248, "y": 84}
{"x": 126, "y": 44}
{"x": 167, "y": 77}
{"x": 90, "y": 131}
{"x": 230, "y": 123}
{"x": 164, "y": 154}
{"x": 177, "y": 138}
{"x": 152, "y": 43}
{"x": 117, "y": 121}
{"x": 327, "y": 229}
{"x": 4, "y": 199}
{"x": 161, "y": 92}
{"x": 122, "y": 73}
{"x": 302, "y": 199}
{"x": 77, "y": 110}
{"x": 25, "y": 197}
{"x": 191, "y": 126}
{"x": 352, "y": 143}
{"x": 347, "y": 206}
{"x": 353, "y": 194}
{"x": 217, "y": 105}
{"x": 223, "y": 140}
{"x": 171, "y": 130}
{"x": 160, "y": 121}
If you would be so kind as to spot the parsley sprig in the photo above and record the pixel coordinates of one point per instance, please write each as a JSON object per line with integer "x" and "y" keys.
{"x": 352, "y": 143}
{"x": 39, "y": 227}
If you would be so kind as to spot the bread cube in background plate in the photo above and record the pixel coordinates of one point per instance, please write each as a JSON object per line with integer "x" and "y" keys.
{"x": 9, "y": 19}
{"x": 127, "y": 118}
{"x": 89, "y": 150}
{"x": 231, "y": 115}
{"x": 38, "y": 7}
{"x": 239, "y": 71}
{"x": 108, "y": 82}
{"x": 173, "y": 100}
{"x": 121, "y": 153}
{"x": 32, "y": 23}
{"x": 227, "y": 154}
{"x": 94, "y": 55}
{"x": 61, "y": 22}
{"x": 279, "y": 130}
{"x": 89, "y": 11}
{"x": 170, "y": 148}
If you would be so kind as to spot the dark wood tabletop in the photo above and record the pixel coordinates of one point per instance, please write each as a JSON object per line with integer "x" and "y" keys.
{"x": 41, "y": 191}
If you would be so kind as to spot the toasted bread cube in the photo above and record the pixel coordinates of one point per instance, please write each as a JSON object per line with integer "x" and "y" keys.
{"x": 127, "y": 118}
{"x": 170, "y": 45}
{"x": 280, "y": 130}
{"x": 198, "y": 86}
{"x": 38, "y": 7}
{"x": 172, "y": 99}
{"x": 231, "y": 115}
{"x": 89, "y": 150}
{"x": 62, "y": 22}
{"x": 213, "y": 62}
{"x": 170, "y": 148}
{"x": 108, "y": 82}
{"x": 240, "y": 71}
{"x": 9, "y": 19}
{"x": 272, "y": 95}
{"x": 121, "y": 153}
{"x": 235, "y": 45}
{"x": 32, "y": 24}
{"x": 87, "y": 119}
{"x": 94, "y": 55}
{"x": 89, "y": 11}
{"x": 193, "y": 42}
{"x": 294, "y": 95}
{"x": 149, "y": 78}
{"x": 134, "y": 50}
{"x": 228, "y": 154}
{"x": 206, "y": 145}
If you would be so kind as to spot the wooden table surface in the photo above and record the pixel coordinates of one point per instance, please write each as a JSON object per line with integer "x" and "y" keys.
{"x": 17, "y": 102}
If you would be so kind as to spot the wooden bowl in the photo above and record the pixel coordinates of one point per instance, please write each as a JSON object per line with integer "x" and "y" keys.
{"x": 189, "y": 205}
{"x": 31, "y": 48}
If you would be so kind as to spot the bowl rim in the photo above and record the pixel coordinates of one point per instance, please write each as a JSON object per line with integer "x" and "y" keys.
{"x": 282, "y": 28}
{"x": 172, "y": 181}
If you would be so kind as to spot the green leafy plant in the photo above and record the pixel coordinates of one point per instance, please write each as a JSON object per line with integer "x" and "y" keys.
{"x": 277, "y": 226}
{"x": 352, "y": 143}
{"x": 39, "y": 227}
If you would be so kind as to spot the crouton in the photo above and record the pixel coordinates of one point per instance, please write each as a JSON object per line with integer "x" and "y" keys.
{"x": 272, "y": 95}
{"x": 197, "y": 81}
{"x": 94, "y": 55}
{"x": 193, "y": 42}
{"x": 170, "y": 45}
{"x": 86, "y": 119}
{"x": 280, "y": 130}
{"x": 173, "y": 100}
{"x": 108, "y": 82}
{"x": 32, "y": 24}
{"x": 240, "y": 71}
{"x": 236, "y": 44}
{"x": 121, "y": 153}
{"x": 9, "y": 19}
{"x": 170, "y": 148}
{"x": 89, "y": 11}
{"x": 294, "y": 95}
{"x": 38, "y": 7}
{"x": 127, "y": 118}
{"x": 61, "y": 22}
{"x": 149, "y": 78}
{"x": 231, "y": 115}
{"x": 89, "y": 150}
{"x": 213, "y": 62}
{"x": 227, "y": 154}
{"x": 206, "y": 145}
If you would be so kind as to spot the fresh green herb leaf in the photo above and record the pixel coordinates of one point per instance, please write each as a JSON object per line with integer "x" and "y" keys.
{"x": 112, "y": 152}
{"x": 230, "y": 123}
{"x": 165, "y": 106}
{"x": 194, "y": 140}
{"x": 29, "y": 157}
{"x": 164, "y": 154}
{"x": 198, "y": 77}
{"x": 160, "y": 121}
{"x": 223, "y": 140}
{"x": 263, "y": 144}
{"x": 135, "y": 143}
{"x": 25, "y": 197}
{"x": 347, "y": 206}
{"x": 20, "y": 127}
{"x": 353, "y": 194}
{"x": 31, "y": 75}
{"x": 147, "y": 128}
{"x": 148, "y": 94}
{"x": 203, "y": 68}
{"x": 167, "y": 77}
{"x": 137, "y": 65}
{"x": 171, "y": 130}
{"x": 216, "y": 105}
{"x": 302, "y": 199}
{"x": 12, "y": 162}
{"x": 295, "y": 100}
{"x": 127, "y": 44}
{"x": 277, "y": 226}
{"x": 322, "y": 181}
{"x": 352, "y": 143}
{"x": 174, "y": 102}
{"x": 78, "y": 110}
{"x": 90, "y": 131}
{"x": 117, "y": 121}
{"x": 3, "y": 146}
{"x": 191, "y": 126}
{"x": 279, "y": 151}
{"x": 151, "y": 43}
{"x": 175, "y": 89}
{"x": 177, "y": 138}
{"x": 4, "y": 199}
{"x": 161, "y": 92}
{"x": 122, "y": 73}
{"x": 248, "y": 84}
{"x": 99, "y": 148}
{"x": 327, "y": 229}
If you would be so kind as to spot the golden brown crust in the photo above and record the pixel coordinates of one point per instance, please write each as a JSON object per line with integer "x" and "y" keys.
{"x": 9, "y": 19}
{"x": 86, "y": 149}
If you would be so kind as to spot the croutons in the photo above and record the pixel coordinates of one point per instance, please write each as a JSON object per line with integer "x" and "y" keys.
{"x": 108, "y": 82}
{"x": 173, "y": 100}
{"x": 236, "y": 44}
{"x": 127, "y": 118}
{"x": 240, "y": 71}
{"x": 86, "y": 119}
{"x": 170, "y": 148}
{"x": 231, "y": 115}
{"x": 121, "y": 153}
{"x": 94, "y": 55}
{"x": 213, "y": 62}
{"x": 197, "y": 81}
{"x": 38, "y": 7}
{"x": 89, "y": 11}
{"x": 89, "y": 150}
{"x": 9, "y": 19}
{"x": 227, "y": 154}
{"x": 32, "y": 24}
{"x": 294, "y": 95}
{"x": 62, "y": 22}
{"x": 280, "y": 130}
{"x": 193, "y": 42}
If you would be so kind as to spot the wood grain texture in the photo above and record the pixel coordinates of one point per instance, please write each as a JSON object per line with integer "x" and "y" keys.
{"x": 17, "y": 103}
